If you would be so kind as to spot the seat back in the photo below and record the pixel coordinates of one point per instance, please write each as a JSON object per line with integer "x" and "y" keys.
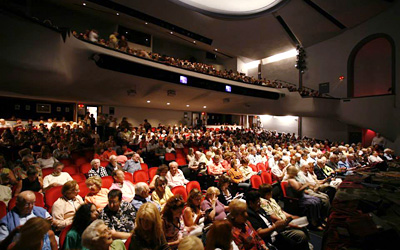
{"x": 128, "y": 176}
{"x": 152, "y": 172}
{"x": 83, "y": 189}
{"x": 255, "y": 181}
{"x": 63, "y": 235}
{"x": 192, "y": 185}
{"x": 144, "y": 167}
{"x": 51, "y": 196}
{"x": 261, "y": 167}
{"x": 66, "y": 162}
{"x": 103, "y": 163}
{"x": 80, "y": 161}
{"x": 253, "y": 167}
{"x": 181, "y": 161}
{"x": 107, "y": 181}
{"x": 78, "y": 177}
{"x": 140, "y": 176}
{"x": 170, "y": 157}
{"x": 46, "y": 171}
{"x": 266, "y": 178}
{"x": 128, "y": 242}
{"x": 180, "y": 190}
{"x": 39, "y": 201}
{"x": 3, "y": 209}
{"x": 84, "y": 168}
{"x": 284, "y": 185}
{"x": 71, "y": 169}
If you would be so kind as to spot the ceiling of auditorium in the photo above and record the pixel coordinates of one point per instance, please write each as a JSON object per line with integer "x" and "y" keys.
{"x": 253, "y": 38}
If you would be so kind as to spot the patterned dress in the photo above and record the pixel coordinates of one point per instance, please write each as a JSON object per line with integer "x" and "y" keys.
{"x": 122, "y": 220}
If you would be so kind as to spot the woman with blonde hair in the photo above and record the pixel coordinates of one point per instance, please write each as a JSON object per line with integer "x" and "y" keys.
{"x": 33, "y": 234}
{"x": 148, "y": 233}
{"x": 191, "y": 243}
{"x": 97, "y": 195}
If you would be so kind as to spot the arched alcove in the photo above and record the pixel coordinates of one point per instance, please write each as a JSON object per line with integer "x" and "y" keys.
{"x": 371, "y": 67}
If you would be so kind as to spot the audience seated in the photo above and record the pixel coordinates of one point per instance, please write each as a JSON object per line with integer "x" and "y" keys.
{"x": 191, "y": 243}
{"x": 142, "y": 196}
{"x": 97, "y": 236}
{"x": 84, "y": 216}
{"x": 161, "y": 171}
{"x": 226, "y": 194}
{"x": 57, "y": 178}
{"x": 212, "y": 207}
{"x": 32, "y": 182}
{"x": 97, "y": 170}
{"x": 127, "y": 188}
{"x": 162, "y": 192}
{"x": 148, "y": 232}
{"x": 172, "y": 221}
{"x": 27, "y": 161}
{"x": 132, "y": 164}
{"x": 192, "y": 215}
{"x": 97, "y": 195}
{"x": 214, "y": 239}
{"x": 175, "y": 176}
{"x": 46, "y": 160}
{"x": 118, "y": 215}
{"x": 24, "y": 210}
{"x": 64, "y": 209}
{"x": 112, "y": 165}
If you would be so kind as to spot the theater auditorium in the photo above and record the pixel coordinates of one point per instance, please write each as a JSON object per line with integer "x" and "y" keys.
{"x": 199, "y": 124}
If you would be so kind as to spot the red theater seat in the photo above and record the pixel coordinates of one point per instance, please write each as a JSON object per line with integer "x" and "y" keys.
{"x": 180, "y": 190}
{"x": 140, "y": 176}
{"x": 255, "y": 181}
{"x": 107, "y": 181}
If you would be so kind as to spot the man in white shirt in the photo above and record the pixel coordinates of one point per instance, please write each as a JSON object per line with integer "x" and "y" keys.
{"x": 57, "y": 178}
{"x": 175, "y": 176}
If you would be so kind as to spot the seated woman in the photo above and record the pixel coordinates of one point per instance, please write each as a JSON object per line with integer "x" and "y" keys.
{"x": 148, "y": 232}
{"x": 213, "y": 208}
{"x": 97, "y": 236}
{"x": 161, "y": 171}
{"x": 7, "y": 176}
{"x": 226, "y": 195}
{"x": 97, "y": 195}
{"x": 237, "y": 177}
{"x": 214, "y": 239}
{"x": 126, "y": 187}
{"x": 162, "y": 192}
{"x": 246, "y": 170}
{"x": 310, "y": 205}
{"x": 172, "y": 221}
{"x": 47, "y": 160}
{"x": 85, "y": 215}
{"x": 244, "y": 235}
{"x": 65, "y": 207}
{"x": 33, "y": 182}
{"x": 192, "y": 215}
{"x": 191, "y": 243}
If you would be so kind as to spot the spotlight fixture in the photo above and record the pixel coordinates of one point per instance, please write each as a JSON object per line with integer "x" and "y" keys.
{"x": 148, "y": 101}
{"x": 117, "y": 14}
{"x": 188, "y": 105}
{"x": 84, "y": 4}
{"x": 204, "y": 107}
{"x": 126, "y": 32}
{"x": 216, "y": 49}
{"x": 146, "y": 23}
{"x": 171, "y": 32}
{"x": 194, "y": 41}
{"x": 168, "y": 103}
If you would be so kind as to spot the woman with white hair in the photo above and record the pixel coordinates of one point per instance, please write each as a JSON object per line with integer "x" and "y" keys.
{"x": 97, "y": 169}
{"x": 97, "y": 236}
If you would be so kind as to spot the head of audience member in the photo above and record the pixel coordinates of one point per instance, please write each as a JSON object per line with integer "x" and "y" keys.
{"x": 194, "y": 199}
{"x": 212, "y": 193}
{"x": 97, "y": 236}
{"x": 304, "y": 168}
{"x": 265, "y": 191}
{"x": 95, "y": 163}
{"x": 160, "y": 184}
{"x": 46, "y": 153}
{"x": 27, "y": 160}
{"x": 198, "y": 155}
{"x": 173, "y": 168}
{"x": 113, "y": 160}
{"x": 118, "y": 176}
{"x": 84, "y": 216}
{"x": 191, "y": 243}
{"x": 224, "y": 182}
{"x": 253, "y": 200}
{"x": 70, "y": 190}
{"x": 94, "y": 184}
{"x": 162, "y": 170}
{"x": 191, "y": 151}
{"x": 114, "y": 199}
{"x": 217, "y": 159}
{"x": 25, "y": 203}
{"x": 173, "y": 208}
{"x": 292, "y": 171}
{"x": 320, "y": 163}
{"x": 214, "y": 239}
{"x": 234, "y": 164}
{"x": 209, "y": 155}
{"x": 32, "y": 233}
{"x": 57, "y": 168}
{"x": 333, "y": 158}
{"x": 148, "y": 223}
{"x": 136, "y": 157}
{"x": 237, "y": 213}
{"x": 142, "y": 190}
{"x": 32, "y": 174}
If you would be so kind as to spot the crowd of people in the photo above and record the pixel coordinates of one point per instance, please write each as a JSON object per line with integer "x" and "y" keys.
{"x": 119, "y": 42}
{"x": 149, "y": 215}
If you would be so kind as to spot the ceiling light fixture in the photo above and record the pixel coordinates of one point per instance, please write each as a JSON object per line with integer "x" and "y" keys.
{"x": 117, "y": 14}
{"x": 84, "y": 4}
{"x": 168, "y": 103}
{"x": 188, "y": 105}
{"x": 171, "y": 32}
{"x": 148, "y": 101}
{"x": 146, "y": 23}
{"x": 204, "y": 107}
{"x": 216, "y": 49}
{"x": 194, "y": 41}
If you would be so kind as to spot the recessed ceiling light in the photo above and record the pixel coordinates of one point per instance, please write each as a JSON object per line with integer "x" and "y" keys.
{"x": 216, "y": 49}
{"x": 204, "y": 107}
{"x": 84, "y": 4}
{"x": 126, "y": 32}
{"x": 147, "y": 39}
{"x": 168, "y": 103}
{"x": 146, "y": 23}
{"x": 171, "y": 32}
{"x": 148, "y": 101}
{"x": 117, "y": 14}
{"x": 194, "y": 41}
{"x": 188, "y": 105}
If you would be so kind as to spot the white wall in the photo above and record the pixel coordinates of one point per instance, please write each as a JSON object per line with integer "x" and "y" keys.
{"x": 154, "y": 116}
{"x": 286, "y": 124}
